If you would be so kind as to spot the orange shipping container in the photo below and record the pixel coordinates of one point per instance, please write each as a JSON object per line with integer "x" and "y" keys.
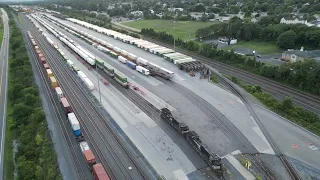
{"x": 54, "y": 82}
{"x": 49, "y": 72}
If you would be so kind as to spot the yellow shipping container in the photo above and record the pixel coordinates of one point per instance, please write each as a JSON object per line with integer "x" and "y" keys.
{"x": 49, "y": 72}
{"x": 54, "y": 83}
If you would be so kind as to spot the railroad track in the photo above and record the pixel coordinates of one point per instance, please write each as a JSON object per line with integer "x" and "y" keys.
{"x": 305, "y": 100}
{"x": 152, "y": 112}
{"x": 57, "y": 111}
{"x": 90, "y": 109}
{"x": 288, "y": 166}
{"x": 226, "y": 126}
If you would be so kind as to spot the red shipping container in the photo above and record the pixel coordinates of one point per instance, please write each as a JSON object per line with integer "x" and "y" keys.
{"x": 99, "y": 173}
{"x": 90, "y": 159}
{"x": 46, "y": 66}
{"x": 65, "y": 105}
{"x": 43, "y": 60}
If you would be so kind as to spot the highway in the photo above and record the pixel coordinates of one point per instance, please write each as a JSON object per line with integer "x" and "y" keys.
{"x": 4, "y": 83}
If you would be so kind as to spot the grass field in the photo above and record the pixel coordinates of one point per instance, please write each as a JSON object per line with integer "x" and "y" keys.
{"x": 261, "y": 47}
{"x": 184, "y": 29}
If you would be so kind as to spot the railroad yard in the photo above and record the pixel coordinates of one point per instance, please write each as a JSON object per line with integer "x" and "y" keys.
{"x": 137, "y": 113}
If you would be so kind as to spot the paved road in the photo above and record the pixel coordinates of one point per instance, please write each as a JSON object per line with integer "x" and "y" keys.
{"x": 3, "y": 89}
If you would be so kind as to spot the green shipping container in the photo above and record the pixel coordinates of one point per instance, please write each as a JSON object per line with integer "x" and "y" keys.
{"x": 100, "y": 63}
{"x": 120, "y": 76}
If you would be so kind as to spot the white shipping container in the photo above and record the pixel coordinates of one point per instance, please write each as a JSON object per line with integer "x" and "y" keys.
{"x": 132, "y": 56}
{"x": 81, "y": 75}
{"x": 70, "y": 63}
{"x": 90, "y": 61}
{"x": 142, "y": 70}
{"x": 122, "y": 59}
{"x": 88, "y": 83}
{"x": 124, "y": 53}
{"x": 73, "y": 121}
{"x": 84, "y": 146}
{"x": 59, "y": 92}
{"x": 142, "y": 61}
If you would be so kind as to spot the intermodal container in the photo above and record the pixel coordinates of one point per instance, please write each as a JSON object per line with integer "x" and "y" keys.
{"x": 74, "y": 124}
{"x": 142, "y": 61}
{"x": 65, "y": 105}
{"x": 99, "y": 173}
{"x": 53, "y": 81}
{"x": 59, "y": 92}
{"x": 49, "y": 73}
{"x": 40, "y": 55}
{"x": 43, "y": 60}
{"x": 122, "y": 59}
{"x": 90, "y": 159}
{"x": 131, "y": 65}
{"x": 46, "y": 66}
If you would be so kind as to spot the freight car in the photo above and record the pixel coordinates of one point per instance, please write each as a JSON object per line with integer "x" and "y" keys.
{"x": 99, "y": 173}
{"x": 120, "y": 78}
{"x": 75, "y": 125}
{"x": 65, "y": 104}
{"x": 192, "y": 137}
{"x": 157, "y": 70}
{"x": 87, "y": 153}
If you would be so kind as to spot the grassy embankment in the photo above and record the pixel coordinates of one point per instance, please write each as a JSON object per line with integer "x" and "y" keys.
{"x": 26, "y": 123}
{"x": 259, "y": 46}
{"x": 185, "y": 30}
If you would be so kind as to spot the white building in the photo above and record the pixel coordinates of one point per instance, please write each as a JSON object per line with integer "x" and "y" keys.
{"x": 137, "y": 13}
{"x": 295, "y": 21}
{"x": 175, "y": 9}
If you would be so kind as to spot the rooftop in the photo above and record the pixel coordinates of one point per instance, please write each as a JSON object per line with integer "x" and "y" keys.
{"x": 305, "y": 54}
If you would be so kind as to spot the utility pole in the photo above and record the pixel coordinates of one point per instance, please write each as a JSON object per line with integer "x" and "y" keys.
{"x": 98, "y": 84}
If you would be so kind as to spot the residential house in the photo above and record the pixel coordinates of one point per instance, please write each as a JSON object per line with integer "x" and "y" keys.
{"x": 175, "y": 9}
{"x": 197, "y": 15}
{"x": 294, "y": 21}
{"x": 300, "y": 55}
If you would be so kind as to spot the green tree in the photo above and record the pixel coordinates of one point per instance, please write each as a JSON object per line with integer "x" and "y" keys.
{"x": 286, "y": 40}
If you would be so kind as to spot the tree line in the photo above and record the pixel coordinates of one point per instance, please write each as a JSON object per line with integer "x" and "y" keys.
{"x": 301, "y": 75}
{"x": 36, "y": 158}
{"x": 286, "y": 36}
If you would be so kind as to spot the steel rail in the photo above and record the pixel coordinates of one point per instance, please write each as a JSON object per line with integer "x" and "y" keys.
{"x": 101, "y": 116}
{"x": 57, "y": 112}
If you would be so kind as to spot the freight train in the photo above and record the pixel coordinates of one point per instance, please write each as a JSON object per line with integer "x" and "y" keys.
{"x": 98, "y": 171}
{"x": 187, "y": 63}
{"x": 122, "y": 55}
{"x": 192, "y": 137}
{"x": 89, "y": 58}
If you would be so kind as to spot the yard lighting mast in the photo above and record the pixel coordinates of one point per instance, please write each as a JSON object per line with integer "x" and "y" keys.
{"x": 98, "y": 83}
{"x": 174, "y": 34}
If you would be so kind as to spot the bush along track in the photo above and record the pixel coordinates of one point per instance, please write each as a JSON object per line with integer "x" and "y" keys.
{"x": 284, "y": 108}
{"x": 36, "y": 158}
{"x": 301, "y": 75}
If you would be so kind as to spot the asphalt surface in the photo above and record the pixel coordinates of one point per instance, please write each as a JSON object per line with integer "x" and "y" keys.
{"x": 291, "y": 139}
{"x": 3, "y": 89}
{"x": 188, "y": 112}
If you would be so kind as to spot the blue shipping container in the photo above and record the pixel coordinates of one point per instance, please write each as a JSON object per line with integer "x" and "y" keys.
{"x": 131, "y": 65}
{"x": 77, "y": 132}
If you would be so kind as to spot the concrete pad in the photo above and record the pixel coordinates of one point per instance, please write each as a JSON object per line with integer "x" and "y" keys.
{"x": 243, "y": 171}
